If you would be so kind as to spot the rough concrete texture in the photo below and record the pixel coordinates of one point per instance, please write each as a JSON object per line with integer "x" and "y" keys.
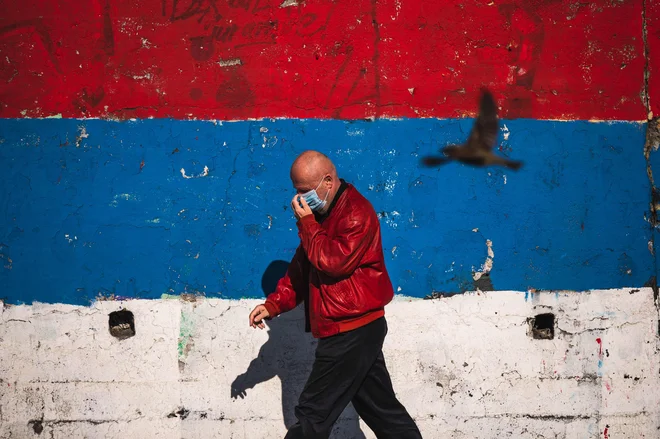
{"x": 135, "y": 209}
{"x": 465, "y": 366}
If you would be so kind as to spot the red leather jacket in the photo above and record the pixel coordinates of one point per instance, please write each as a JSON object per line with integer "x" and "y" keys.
{"x": 338, "y": 269}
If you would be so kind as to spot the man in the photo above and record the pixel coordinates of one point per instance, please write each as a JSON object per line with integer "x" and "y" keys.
{"x": 338, "y": 271}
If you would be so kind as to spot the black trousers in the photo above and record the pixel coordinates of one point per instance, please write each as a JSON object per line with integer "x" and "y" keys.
{"x": 350, "y": 367}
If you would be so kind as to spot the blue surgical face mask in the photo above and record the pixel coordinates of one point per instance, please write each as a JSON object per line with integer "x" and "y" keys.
{"x": 313, "y": 200}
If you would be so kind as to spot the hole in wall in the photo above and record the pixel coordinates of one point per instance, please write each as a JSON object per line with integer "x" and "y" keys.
{"x": 542, "y": 326}
{"x": 122, "y": 324}
{"x": 37, "y": 426}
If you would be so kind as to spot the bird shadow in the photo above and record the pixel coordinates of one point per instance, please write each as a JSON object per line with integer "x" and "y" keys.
{"x": 289, "y": 354}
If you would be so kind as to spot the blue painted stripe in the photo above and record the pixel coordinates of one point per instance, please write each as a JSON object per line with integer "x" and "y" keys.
{"x": 81, "y": 218}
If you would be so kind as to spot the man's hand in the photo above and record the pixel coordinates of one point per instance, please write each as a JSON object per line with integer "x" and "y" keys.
{"x": 257, "y": 315}
{"x": 298, "y": 211}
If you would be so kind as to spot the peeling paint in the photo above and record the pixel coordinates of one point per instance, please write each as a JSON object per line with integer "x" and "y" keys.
{"x": 505, "y": 132}
{"x": 204, "y": 173}
{"x": 288, "y": 3}
{"x": 230, "y": 62}
{"x": 81, "y": 135}
{"x": 9, "y": 261}
{"x": 390, "y": 218}
{"x": 488, "y": 265}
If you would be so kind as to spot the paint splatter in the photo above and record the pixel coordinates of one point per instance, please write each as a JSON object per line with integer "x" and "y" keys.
{"x": 390, "y": 183}
{"x": 127, "y": 197}
{"x": 355, "y": 132}
{"x": 185, "y": 337}
{"x": 600, "y": 356}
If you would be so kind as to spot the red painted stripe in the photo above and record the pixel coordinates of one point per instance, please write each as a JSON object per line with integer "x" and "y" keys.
{"x": 348, "y": 59}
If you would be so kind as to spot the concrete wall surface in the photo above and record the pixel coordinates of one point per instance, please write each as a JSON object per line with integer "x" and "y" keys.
{"x": 466, "y": 366}
{"x": 144, "y": 163}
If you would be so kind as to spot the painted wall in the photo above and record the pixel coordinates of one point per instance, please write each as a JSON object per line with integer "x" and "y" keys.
{"x": 122, "y": 218}
{"x": 465, "y": 367}
{"x": 555, "y": 59}
{"x": 142, "y": 208}
{"x": 153, "y": 207}
{"x": 144, "y": 154}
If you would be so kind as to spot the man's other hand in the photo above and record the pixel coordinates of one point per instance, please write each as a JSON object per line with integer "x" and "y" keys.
{"x": 257, "y": 315}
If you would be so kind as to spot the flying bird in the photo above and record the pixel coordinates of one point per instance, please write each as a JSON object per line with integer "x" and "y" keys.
{"x": 478, "y": 150}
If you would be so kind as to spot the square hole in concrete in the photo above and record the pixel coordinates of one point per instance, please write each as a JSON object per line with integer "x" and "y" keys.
{"x": 542, "y": 326}
{"x": 122, "y": 324}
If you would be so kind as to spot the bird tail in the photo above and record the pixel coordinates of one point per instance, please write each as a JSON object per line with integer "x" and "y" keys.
{"x": 513, "y": 164}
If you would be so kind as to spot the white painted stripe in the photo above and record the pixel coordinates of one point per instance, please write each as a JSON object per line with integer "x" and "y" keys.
{"x": 465, "y": 367}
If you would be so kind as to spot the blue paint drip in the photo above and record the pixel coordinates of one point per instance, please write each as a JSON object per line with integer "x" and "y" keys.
{"x": 82, "y": 220}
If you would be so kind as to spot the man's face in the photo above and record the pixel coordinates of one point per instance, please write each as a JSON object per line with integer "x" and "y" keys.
{"x": 305, "y": 184}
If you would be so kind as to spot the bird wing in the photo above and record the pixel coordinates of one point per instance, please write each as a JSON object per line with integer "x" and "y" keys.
{"x": 434, "y": 160}
{"x": 484, "y": 132}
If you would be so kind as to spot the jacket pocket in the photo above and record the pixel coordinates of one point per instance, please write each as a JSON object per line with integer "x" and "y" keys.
{"x": 342, "y": 299}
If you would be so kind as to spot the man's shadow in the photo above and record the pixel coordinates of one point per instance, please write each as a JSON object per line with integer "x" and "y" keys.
{"x": 289, "y": 354}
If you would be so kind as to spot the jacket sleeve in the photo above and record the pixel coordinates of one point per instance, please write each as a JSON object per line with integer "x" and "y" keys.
{"x": 339, "y": 256}
{"x": 292, "y": 288}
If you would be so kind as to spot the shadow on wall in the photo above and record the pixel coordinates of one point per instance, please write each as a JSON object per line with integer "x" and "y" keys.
{"x": 289, "y": 354}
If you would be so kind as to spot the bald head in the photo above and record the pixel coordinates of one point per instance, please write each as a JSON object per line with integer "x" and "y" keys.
{"x": 314, "y": 170}
{"x": 311, "y": 164}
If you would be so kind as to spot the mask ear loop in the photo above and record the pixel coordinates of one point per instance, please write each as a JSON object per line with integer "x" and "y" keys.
{"x": 327, "y": 193}
{"x": 320, "y": 183}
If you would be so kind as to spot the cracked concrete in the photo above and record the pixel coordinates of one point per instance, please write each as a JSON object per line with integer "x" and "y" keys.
{"x": 464, "y": 366}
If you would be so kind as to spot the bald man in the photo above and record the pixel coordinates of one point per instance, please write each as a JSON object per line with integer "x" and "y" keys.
{"x": 339, "y": 273}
